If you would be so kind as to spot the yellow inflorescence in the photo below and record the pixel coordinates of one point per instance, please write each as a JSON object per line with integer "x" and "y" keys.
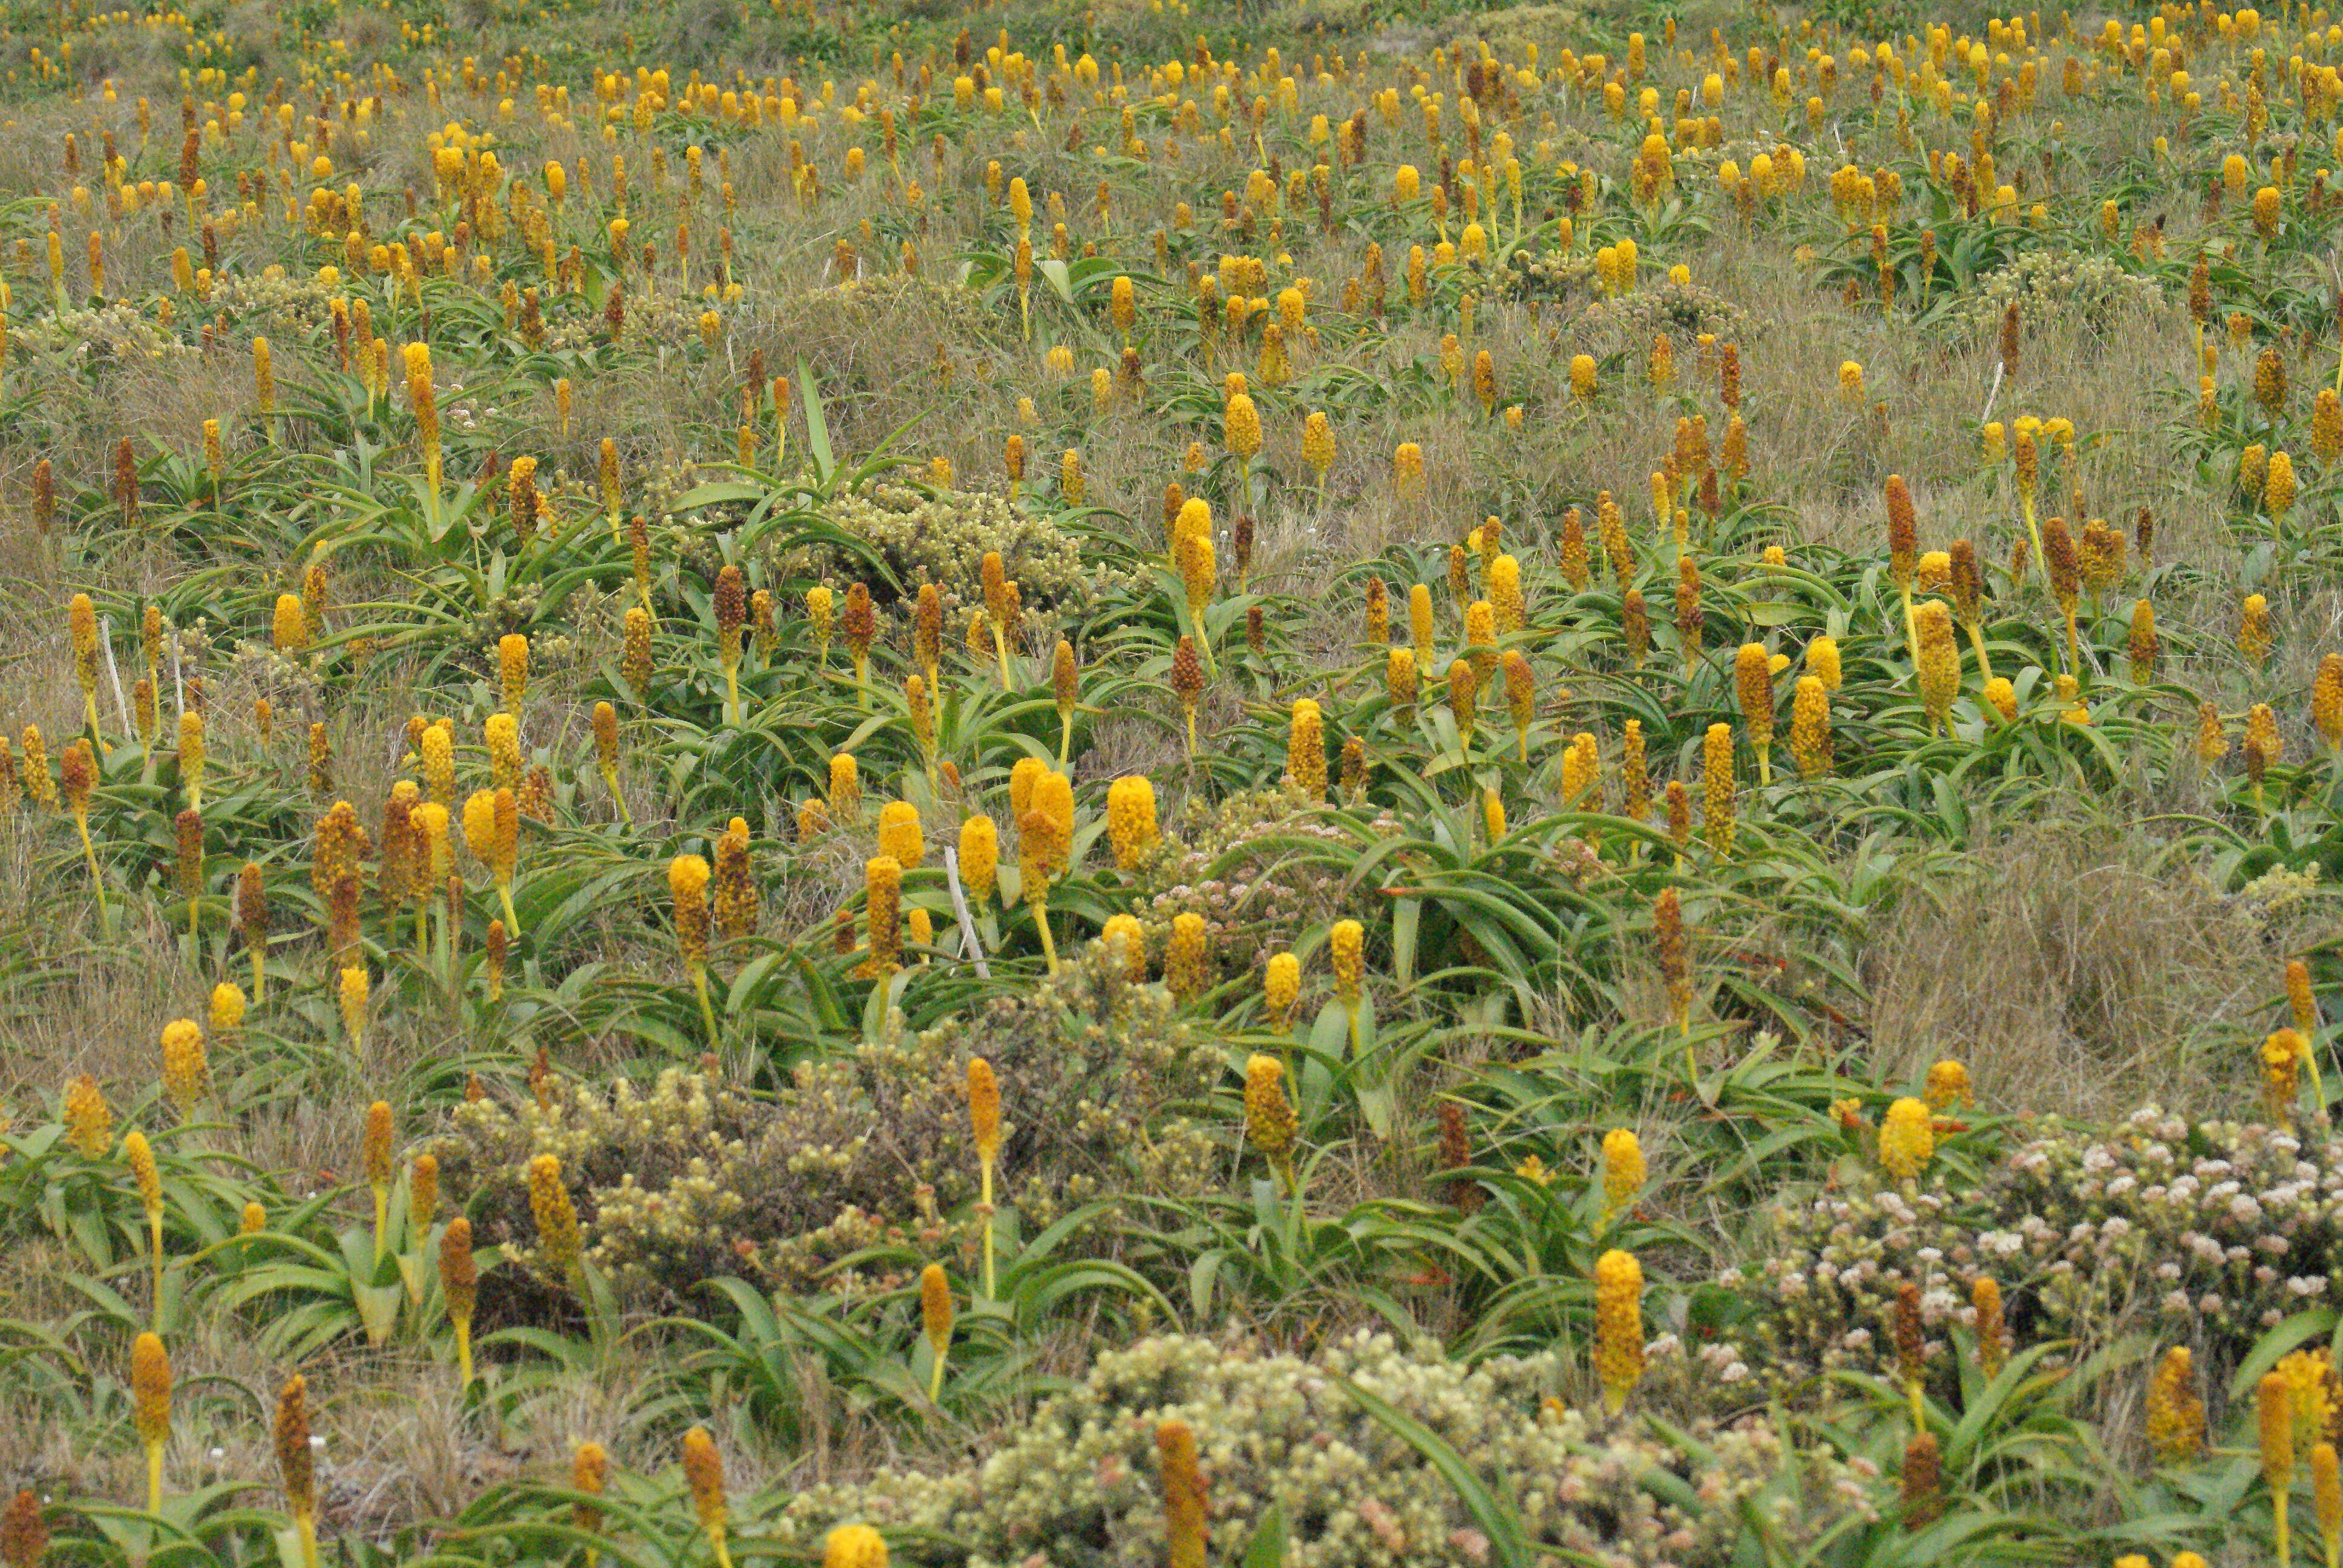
{"x": 1618, "y": 1326}
{"x": 1907, "y": 1139}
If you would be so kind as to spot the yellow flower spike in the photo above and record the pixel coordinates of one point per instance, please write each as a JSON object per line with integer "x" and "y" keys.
{"x": 1752, "y": 678}
{"x": 997, "y": 609}
{"x": 1810, "y": 731}
{"x": 1132, "y": 826}
{"x": 859, "y": 625}
{"x": 984, "y": 1123}
{"x": 1407, "y": 472}
{"x": 83, "y": 618}
{"x": 1622, "y": 1173}
{"x": 821, "y": 613}
{"x": 187, "y": 1069}
{"x": 352, "y": 993}
{"x": 703, "y": 1474}
{"x": 1305, "y": 751}
{"x": 1939, "y": 664}
{"x": 1419, "y": 623}
{"x": 2326, "y": 702}
{"x": 588, "y": 1474}
{"x": 1241, "y": 427}
{"x": 1506, "y": 593}
{"x": 376, "y": 1154}
{"x": 1948, "y": 1086}
{"x": 1822, "y": 662}
{"x": 512, "y": 671}
{"x": 899, "y": 836}
{"x": 1907, "y": 1139}
{"x": 1464, "y": 689}
{"x": 2326, "y": 1499}
{"x": 606, "y": 755}
{"x": 1065, "y": 689}
{"x": 2301, "y": 1003}
{"x": 1125, "y": 941}
{"x": 1618, "y": 1327}
{"x": 1401, "y": 682}
{"x": 1718, "y": 788}
{"x": 558, "y": 1243}
{"x": 2274, "y": 1418}
{"x": 2283, "y": 1054}
{"x": 854, "y": 1546}
{"x": 1318, "y": 448}
{"x": 927, "y": 634}
{"x": 501, "y": 741}
{"x": 1024, "y": 777}
{"x": 422, "y": 1194}
{"x": 140, "y": 1157}
{"x": 882, "y": 881}
{"x": 687, "y": 876}
{"x": 150, "y": 1391}
{"x": 1184, "y": 1495}
{"x": 936, "y": 1318}
{"x": 731, "y": 609}
{"x": 845, "y": 790}
{"x": 1186, "y": 968}
{"x": 1992, "y": 1330}
{"x": 458, "y": 1285}
{"x": 297, "y": 1466}
{"x": 76, "y": 777}
{"x": 1044, "y": 839}
{"x": 1281, "y": 988}
{"x": 1270, "y": 1120}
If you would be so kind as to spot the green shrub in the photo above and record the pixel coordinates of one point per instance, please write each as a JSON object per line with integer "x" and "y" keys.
{"x": 2206, "y": 1234}
{"x": 1080, "y": 1483}
{"x": 868, "y": 1149}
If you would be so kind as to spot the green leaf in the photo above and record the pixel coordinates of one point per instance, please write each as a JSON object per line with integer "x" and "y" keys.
{"x": 1507, "y": 1545}
{"x": 1268, "y": 1547}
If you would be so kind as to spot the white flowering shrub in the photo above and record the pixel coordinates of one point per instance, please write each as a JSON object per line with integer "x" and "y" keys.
{"x": 1260, "y": 867}
{"x": 1080, "y": 1482}
{"x": 2206, "y": 1233}
{"x": 872, "y": 1149}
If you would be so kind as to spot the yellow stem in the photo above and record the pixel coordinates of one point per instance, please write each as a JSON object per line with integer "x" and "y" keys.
{"x": 1041, "y": 921}
{"x": 381, "y": 1221}
{"x": 716, "y": 1539}
{"x": 707, "y": 1010}
{"x": 989, "y": 1292}
{"x": 504, "y": 897}
{"x": 155, "y": 1237}
{"x": 304, "y": 1524}
{"x": 463, "y": 1354}
{"x": 89, "y": 852}
{"x": 1976, "y": 640}
{"x": 155, "y": 1478}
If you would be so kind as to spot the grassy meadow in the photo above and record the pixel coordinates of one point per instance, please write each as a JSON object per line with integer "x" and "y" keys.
{"x": 1170, "y": 783}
